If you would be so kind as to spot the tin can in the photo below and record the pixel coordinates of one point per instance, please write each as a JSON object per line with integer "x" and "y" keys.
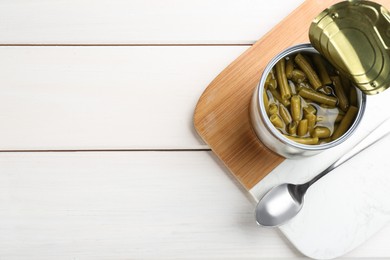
{"x": 275, "y": 140}
{"x": 353, "y": 36}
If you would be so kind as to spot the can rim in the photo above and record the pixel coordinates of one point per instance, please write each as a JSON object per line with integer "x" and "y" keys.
{"x": 264, "y": 117}
{"x": 354, "y": 37}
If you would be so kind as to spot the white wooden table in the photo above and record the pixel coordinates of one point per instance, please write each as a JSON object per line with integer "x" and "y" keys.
{"x": 99, "y": 158}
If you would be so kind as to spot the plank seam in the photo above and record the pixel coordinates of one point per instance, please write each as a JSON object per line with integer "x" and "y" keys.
{"x": 125, "y": 45}
{"x": 106, "y": 150}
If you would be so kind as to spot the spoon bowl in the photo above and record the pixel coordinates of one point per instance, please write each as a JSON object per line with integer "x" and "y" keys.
{"x": 278, "y": 206}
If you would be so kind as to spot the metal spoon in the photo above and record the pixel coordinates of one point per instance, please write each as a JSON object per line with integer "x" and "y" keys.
{"x": 283, "y": 202}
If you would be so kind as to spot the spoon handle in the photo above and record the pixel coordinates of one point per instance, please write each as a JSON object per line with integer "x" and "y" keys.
{"x": 382, "y": 130}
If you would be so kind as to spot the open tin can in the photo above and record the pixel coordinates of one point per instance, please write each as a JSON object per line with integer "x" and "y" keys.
{"x": 354, "y": 37}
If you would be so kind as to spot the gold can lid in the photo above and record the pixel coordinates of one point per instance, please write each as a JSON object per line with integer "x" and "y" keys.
{"x": 354, "y": 36}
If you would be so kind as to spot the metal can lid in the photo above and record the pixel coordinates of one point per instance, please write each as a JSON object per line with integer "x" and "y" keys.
{"x": 354, "y": 36}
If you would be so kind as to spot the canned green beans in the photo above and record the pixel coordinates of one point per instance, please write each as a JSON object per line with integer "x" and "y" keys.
{"x": 316, "y": 93}
{"x": 307, "y": 107}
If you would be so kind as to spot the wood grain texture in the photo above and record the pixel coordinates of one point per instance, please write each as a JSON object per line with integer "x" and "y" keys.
{"x": 135, "y": 205}
{"x": 127, "y": 205}
{"x": 221, "y": 116}
{"x": 105, "y": 98}
{"x": 138, "y": 21}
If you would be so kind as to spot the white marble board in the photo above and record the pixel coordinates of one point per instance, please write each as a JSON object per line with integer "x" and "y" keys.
{"x": 349, "y": 205}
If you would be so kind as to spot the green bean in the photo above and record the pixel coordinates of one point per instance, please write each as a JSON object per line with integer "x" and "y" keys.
{"x": 273, "y": 109}
{"x": 303, "y": 85}
{"x": 346, "y": 122}
{"x": 317, "y": 97}
{"x": 304, "y": 140}
{"x": 276, "y": 95}
{"x": 296, "y": 107}
{"x": 292, "y": 128}
{"x": 273, "y": 84}
{"x": 339, "y": 117}
{"x": 346, "y": 83}
{"x": 289, "y": 67}
{"x": 326, "y": 106}
{"x": 307, "y": 68}
{"x": 267, "y": 79}
{"x": 311, "y": 121}
{"x": 285, "y": 91}
{"x": 298, "y": 76}
{"x": 276, "y": 121}
{"x": 293, "y": 87}
{"x": 284, "y": 114}
{"x": 302, "y": 127}
{"x": 352, "y": 96}
{"x": 265, "y": 101}
{"x": 309, "y": 109}
{"x": 321, "y": 132}
{"x": 343, "y": 103}
{"x": 270, "y": 81}
{"x": 323, "y": 73}
{"x": 325, "y": 140}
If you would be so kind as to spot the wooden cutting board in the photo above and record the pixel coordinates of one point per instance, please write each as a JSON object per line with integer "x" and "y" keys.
{"x": 334, "y": 220}
{"x": 221, "y": 115}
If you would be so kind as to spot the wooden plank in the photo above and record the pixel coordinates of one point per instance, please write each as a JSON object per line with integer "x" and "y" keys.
{"x": 117, "y": 205}
{"x": 139, "y": 22}
{"x": 72, "y": 98}
{"x": 127, "y": 205}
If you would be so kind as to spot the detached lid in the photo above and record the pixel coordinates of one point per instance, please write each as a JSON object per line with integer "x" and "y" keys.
{"x": 354, "y": 36}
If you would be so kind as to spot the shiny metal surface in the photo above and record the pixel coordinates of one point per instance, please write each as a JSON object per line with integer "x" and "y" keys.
{"x": 354, "y": 37}
{"x": 277, "y": 207}
{"x": 284, "y": 201}
{"x": 271, "y": 137}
